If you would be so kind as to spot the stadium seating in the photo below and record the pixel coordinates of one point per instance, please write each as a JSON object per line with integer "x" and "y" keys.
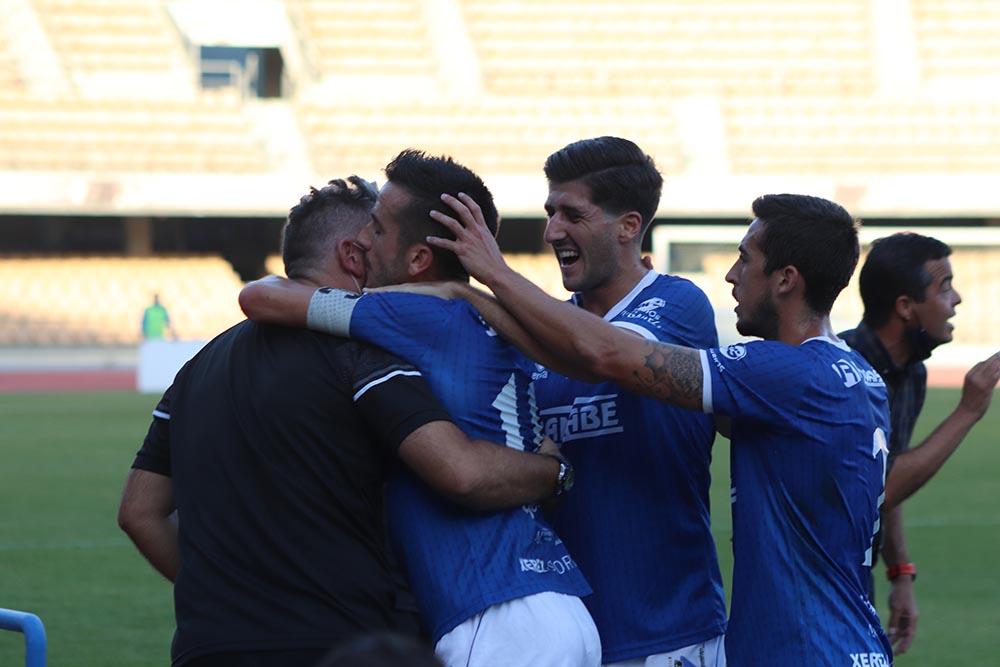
{"x": 99, "y": 300}
{"x": 112, "y": 35}
{"x": 861, "y": 136}
{"x": 10, "y": 75}
{"x": 957, "y": 38}
{"x": 209, "y": 134}
{"x": 388, "y": 37}
{"x": 670, "y": 48}
{"x": 510, "y": 135}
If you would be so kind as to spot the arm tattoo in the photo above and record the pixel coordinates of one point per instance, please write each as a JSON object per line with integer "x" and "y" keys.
{"x": 671, "y": 373}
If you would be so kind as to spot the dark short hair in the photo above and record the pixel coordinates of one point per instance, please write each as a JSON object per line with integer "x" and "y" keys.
{"x": 381, "y": 650}
{"x": 619, "y": 175}
{"x": 816, "y": 236}
{"x": 426, "y": 178}
{"x": 894, "y": 268}
{"x": 322, "y": 219}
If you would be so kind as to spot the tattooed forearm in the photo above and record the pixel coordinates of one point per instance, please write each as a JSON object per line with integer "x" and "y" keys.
{"x": 671, "y": 373}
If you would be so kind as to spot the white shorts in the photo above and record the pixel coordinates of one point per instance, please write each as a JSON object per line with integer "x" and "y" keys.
{"x": 710, "y": 653}
{"x": 541, "y": 630}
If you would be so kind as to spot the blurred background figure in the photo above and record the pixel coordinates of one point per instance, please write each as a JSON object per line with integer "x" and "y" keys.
{"x": 156, "y": 321}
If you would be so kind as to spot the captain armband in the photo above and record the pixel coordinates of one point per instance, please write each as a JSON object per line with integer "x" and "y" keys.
{"x": 330, "y": 311}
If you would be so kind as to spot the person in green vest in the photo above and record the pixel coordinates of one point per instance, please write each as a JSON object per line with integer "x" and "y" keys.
{"x": 156, "y": 321}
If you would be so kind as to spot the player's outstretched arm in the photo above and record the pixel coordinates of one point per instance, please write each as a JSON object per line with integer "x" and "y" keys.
{"x": 476, "y": 473}
{"x": 914, "y": 468}
{"x": 580, "y": 340}
{"x": 145, "y": 514}
{"x": 511, "y": 331}
{"x": 274, "y": 300}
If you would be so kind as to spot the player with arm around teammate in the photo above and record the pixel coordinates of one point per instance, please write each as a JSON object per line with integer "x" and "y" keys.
{"x": 809, "y": 422}
{"x": 498, "y": 588}
{"x": 273, "y": 445}
{"x": 638, "y": 520}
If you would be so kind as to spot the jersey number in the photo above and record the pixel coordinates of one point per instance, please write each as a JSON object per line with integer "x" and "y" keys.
{"x": 879, "y": 447}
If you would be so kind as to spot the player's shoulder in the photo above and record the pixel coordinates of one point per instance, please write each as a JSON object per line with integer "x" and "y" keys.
{"x": 675, "y": 290}
{"x": 662, "y": 302}
{"x": 842, "y": 365}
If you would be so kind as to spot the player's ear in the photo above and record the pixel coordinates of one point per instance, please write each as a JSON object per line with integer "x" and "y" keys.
{"x": 350, "y": 259}
{"x": 629, "y": 226}
{"x": 903, "y": 307}
{"x": 788, "y": 280}
{"x": 419, "y": 259}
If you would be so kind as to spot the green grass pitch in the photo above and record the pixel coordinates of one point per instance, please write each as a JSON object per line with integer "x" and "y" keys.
{"x": 63, "y": 458}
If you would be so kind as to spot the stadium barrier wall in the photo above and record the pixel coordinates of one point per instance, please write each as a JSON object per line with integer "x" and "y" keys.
{"x": 159, "y": 361}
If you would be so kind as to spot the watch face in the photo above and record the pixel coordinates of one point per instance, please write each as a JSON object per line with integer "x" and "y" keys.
{"x": 566, "y": 477}
{"x": 570, "y": 479}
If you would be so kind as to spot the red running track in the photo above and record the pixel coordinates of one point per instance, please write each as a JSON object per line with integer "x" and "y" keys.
{"x": 89, "y": 380}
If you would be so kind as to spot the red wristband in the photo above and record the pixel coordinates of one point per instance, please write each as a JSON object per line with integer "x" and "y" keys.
{"x": 892, "y": 572}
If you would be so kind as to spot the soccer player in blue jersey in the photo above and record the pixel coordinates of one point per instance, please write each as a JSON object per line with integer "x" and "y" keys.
{"x": 494, "y": 588}
{"x": 809, "y": 422}
{"x": 638, "y": 519}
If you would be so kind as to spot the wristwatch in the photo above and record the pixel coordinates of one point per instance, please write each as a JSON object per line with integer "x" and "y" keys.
{"x": 566, "y": 476}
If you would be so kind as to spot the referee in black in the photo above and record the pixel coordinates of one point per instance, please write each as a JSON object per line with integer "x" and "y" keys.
{"x": 272, "y": 445}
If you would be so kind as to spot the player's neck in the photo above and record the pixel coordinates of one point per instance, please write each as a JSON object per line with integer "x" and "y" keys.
{"x": 601, "y": 299}
{"x": 800, "y": 326}
{"x": 335, "y": 279}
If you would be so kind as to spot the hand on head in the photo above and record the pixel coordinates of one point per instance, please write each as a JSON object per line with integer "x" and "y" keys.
{"x": 474, "y": 243}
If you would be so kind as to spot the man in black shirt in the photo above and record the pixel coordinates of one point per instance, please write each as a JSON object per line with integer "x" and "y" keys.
{"x": 272, "y": 445}
{"x": 906, "y": 287}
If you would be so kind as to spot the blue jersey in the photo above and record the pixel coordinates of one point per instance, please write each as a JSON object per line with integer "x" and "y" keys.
{"x": 460, "y": 562}
{"x": 809, "y": 432}
{"x": 637, "y": 521}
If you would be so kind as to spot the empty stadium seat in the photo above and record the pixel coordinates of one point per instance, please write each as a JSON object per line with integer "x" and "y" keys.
{"x": 100, "y": 300}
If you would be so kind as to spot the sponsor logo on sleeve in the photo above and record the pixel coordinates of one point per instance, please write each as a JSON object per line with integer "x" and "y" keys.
{"x": 647, "y": 310}
{"x": 540, "y": 372}
{"x": 869, "y": 660}
{"x": 734, "y": 352}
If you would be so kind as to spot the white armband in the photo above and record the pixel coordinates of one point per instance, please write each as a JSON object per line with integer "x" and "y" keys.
{"x": 330, "y": 311}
